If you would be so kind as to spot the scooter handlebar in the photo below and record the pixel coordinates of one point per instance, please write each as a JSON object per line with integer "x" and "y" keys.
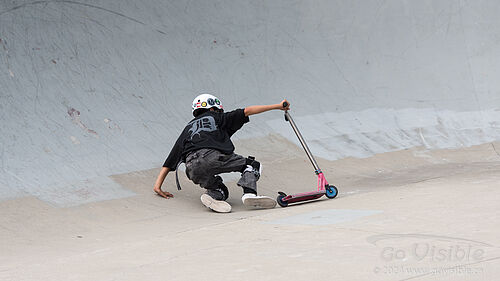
{"x": 285, "y": 105}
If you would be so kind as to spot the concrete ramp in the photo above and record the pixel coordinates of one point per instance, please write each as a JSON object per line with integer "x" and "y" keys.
{"x": 95, "y": 88}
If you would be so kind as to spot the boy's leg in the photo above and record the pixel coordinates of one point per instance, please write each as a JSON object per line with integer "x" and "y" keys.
{"x": 227, "y": 163}
{"x": 203, "y": 165}
{"x": 250, "y": 173}
{"x": 199, "y": 168}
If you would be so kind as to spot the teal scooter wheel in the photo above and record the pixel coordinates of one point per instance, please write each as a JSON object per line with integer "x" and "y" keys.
{"x": 280, "y": 200}
{"x": 331, "y": 192}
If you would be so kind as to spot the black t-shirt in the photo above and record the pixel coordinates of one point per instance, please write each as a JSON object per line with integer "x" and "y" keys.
{"x": 209, "y": 130}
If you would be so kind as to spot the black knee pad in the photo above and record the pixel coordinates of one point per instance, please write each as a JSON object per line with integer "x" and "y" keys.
{"x": 252, "y": 162}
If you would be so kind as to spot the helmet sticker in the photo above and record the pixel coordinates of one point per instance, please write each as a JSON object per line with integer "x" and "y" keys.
{"x": 203, "y": 104}
{"x": 210, "y": 101}
{"x": 217, "y": 101}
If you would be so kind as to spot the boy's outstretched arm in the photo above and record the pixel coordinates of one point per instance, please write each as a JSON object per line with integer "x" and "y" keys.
{"x": 159, "y": 181}
{"x": 256, "y": 109}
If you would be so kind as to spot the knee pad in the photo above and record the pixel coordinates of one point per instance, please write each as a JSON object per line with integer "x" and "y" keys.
{"x": 254, "y": 163}
{"x": 252, "y": 166}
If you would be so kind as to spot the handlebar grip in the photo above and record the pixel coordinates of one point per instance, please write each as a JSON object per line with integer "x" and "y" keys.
{"x": 285, "y": 104}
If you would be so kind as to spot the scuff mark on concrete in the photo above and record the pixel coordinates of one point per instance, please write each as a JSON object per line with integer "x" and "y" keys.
{"x": 75, "y": 116}
{"x": 4, "y": 47}
{"x": 74, "y": 140}
{"x": 45, "y": 2}
{"x": 112, "y": 125}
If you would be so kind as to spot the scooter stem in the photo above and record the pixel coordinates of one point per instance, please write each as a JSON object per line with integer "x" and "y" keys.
{"x": 289, "y": 118}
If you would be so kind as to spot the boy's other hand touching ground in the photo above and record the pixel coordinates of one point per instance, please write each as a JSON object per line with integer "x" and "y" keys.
{"x": 159, "y": 181}
{"x": 163, "y": 194}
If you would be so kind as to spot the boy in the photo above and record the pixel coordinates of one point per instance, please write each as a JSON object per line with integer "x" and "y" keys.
{"x": 206, "y": 147}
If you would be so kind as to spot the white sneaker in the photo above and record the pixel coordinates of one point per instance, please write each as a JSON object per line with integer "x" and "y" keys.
{"x": 218, "y": 206}
{"x": 258, "y": 202}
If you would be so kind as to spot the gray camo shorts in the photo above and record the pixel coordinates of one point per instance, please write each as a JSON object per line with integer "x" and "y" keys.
{"x": 203, "y": 166}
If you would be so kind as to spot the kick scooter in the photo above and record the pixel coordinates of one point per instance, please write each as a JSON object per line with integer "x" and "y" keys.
{"x": 323, "y": 187}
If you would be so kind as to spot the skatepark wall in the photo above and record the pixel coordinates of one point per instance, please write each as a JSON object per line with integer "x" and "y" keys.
{"x": 93, "y": 88}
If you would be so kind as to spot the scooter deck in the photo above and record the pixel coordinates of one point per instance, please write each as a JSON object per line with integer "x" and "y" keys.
{"x": 303, "y": 196}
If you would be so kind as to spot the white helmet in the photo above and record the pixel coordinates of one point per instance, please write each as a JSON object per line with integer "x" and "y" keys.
{"x": 206, "y": 101}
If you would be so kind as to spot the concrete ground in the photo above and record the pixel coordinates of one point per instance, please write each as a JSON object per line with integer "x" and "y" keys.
{"x": 407, "y": 215}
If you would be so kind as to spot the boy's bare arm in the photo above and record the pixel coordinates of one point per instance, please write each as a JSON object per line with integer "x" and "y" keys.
{"x": 159, "y": 181}
{"x": 256, "y": 109}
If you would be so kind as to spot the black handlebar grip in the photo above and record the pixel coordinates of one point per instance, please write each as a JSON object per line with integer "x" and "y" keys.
{"x": 285, "y": 104}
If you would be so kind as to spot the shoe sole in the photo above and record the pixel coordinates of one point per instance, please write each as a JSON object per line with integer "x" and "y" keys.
{"x": 260, "y": 203}
{"x": 215, "y": 205}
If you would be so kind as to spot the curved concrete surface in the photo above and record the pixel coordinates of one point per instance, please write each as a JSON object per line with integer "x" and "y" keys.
{"x": 399, "y": 100}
